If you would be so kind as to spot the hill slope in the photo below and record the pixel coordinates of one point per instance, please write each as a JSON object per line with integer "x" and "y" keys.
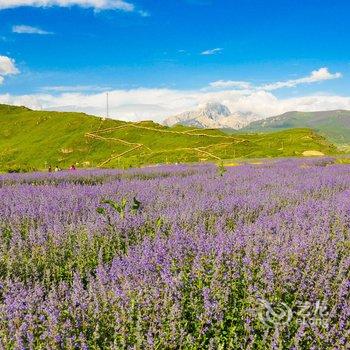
{"x": 335, "y": 125}
{"x": 39, "y": 138}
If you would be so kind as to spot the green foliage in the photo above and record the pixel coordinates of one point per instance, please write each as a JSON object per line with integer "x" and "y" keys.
{"x": 135, "y": 205}
{"x": 118, "y": 207}
{"x": 24, "y": 168}
{"x": 343, "y": 161}
{"x": 221, "y": 169}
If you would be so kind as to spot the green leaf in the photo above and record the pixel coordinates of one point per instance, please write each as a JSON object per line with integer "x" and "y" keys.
{"x": 101, "y": 210}
{"x": 136, "y": 204}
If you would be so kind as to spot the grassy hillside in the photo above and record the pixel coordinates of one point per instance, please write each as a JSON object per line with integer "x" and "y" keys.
{"x": 335, "y": 125}
{"x": 39, "y": 138}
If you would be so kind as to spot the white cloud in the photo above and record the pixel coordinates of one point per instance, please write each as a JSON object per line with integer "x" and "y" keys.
{"x": 96, "y": 4}
{"x": 161, "y": 103}
{"x": 158, "y": 104}
{"x": 23, "y": 29}
{"x": 211, "y": 51}
{"x": 74, "y": 88}
{"x": 315, "y": 76}
{"x": 7, "y": 67}
{"x": 143, "y": 13}
{"x": 231, "y": 84}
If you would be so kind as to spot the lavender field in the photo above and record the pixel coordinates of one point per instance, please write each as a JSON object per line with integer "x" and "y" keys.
{"x": 177, "y": 257}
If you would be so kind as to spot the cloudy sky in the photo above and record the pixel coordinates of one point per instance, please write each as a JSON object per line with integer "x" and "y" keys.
{"x": 158, "y": 58}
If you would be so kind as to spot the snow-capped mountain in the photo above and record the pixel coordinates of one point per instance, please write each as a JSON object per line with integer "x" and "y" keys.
{"x": 212, "y": 115}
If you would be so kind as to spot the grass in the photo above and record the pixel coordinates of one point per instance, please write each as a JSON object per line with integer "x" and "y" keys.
{"x": 334, "y": 125}
{"x": 34, "y": 139}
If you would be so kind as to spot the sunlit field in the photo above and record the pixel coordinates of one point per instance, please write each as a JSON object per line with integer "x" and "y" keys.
{"x": 177, "y": 257}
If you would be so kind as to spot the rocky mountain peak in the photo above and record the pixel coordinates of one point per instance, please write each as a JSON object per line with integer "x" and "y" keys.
{"x": 212, "y": 115}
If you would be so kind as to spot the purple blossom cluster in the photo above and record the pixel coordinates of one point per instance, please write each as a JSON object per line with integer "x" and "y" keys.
{"x": 175, "y": 257}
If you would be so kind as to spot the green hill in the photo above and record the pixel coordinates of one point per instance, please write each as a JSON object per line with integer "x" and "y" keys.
{"x": 35, "y": 139}
{"x": 335, "y": 125}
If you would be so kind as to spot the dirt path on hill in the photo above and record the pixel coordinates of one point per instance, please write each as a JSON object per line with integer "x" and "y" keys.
{"x": 97, "y": 135}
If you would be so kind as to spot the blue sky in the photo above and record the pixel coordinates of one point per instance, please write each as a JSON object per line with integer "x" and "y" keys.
{"x": 143, "y": 50}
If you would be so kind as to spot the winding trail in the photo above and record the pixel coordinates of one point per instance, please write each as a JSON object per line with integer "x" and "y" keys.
{"x": 97, "y": 135}
{"x": 118, "y": 156}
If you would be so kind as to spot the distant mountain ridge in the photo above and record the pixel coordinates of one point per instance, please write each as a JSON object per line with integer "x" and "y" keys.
{"x": 335, "y": 125}
{"x": 212, "y": 115}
